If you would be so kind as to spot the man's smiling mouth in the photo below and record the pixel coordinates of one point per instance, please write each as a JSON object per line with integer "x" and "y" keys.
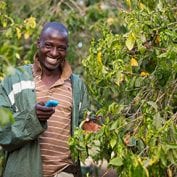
{"x": 51, "y": 60}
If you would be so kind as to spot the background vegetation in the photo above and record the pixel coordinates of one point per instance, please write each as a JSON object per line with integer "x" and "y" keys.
{"x": 126, "y": 51}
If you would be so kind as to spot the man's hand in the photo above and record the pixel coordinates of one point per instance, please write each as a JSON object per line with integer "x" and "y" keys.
{"x": 43, "y": 112}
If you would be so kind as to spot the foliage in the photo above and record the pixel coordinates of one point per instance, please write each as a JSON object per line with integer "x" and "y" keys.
{"x": 6, "y": 117}
{"x": 15, "y": 33}
{"x": 132, "y": 77}
{"x": 20, "y": 26}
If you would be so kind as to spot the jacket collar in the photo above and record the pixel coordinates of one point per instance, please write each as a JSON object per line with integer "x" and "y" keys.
{"x": 37, "y": 69}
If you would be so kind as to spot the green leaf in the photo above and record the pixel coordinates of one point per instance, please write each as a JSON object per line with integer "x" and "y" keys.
{"x": 153, "y": 104}
{"x": 130, "y": 42}
{"x": 113, "y": 142}
{"x": 171, "y": 146}
{"x": 114, "y": 125}
{"x": 157, "y": 121}
{"x": 6, "y": 117}
{"x": 116, "y": 162}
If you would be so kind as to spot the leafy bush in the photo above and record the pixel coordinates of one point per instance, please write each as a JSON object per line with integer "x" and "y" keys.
{"x": 132, "y": 78}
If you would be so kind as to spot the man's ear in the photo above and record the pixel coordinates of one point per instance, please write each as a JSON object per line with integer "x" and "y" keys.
{"x": 38, "y": 44}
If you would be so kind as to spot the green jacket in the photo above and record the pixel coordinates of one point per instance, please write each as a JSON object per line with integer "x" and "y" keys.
{"x": 20, "y": 139}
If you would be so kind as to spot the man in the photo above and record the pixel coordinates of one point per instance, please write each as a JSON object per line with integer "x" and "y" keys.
{"x": 36, "y": 144}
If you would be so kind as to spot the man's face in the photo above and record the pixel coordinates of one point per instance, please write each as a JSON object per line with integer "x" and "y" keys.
{"x": 52, "y": 49}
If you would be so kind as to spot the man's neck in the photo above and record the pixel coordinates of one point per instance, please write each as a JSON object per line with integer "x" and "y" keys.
{"x": 50, "y": 77}
{"x": 51, "y": 73}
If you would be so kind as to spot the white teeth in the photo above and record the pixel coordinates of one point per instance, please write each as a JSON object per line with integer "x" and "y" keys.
{"x": 51, "y": 60}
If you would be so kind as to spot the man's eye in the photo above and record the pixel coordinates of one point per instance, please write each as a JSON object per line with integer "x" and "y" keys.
{"x": 48, "y": 46}
{"x": 61, "y": 49}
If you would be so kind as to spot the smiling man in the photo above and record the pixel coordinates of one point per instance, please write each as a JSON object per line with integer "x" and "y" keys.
{"x": 37, "y": 143}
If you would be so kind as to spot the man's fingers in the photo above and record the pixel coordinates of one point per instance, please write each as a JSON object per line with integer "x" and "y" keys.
{"x": 45, "y": 112}
{"x": 44, "y": 108}
{"x": 42, "y": 103}
{"x": 44, "y": 115}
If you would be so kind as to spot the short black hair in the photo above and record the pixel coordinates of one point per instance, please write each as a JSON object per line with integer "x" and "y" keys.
{"x": 56, "y": 26}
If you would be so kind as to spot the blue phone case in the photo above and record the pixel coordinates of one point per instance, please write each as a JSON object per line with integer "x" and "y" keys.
{"x": 51, "y": 103}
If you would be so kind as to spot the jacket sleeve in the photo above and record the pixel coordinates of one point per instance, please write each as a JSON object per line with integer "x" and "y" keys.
{"x": 26, "y": 127}
{"x": 84, "y": 101}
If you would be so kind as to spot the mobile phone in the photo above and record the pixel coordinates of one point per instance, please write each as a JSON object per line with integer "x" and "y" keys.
{"x": 51, "y": 103}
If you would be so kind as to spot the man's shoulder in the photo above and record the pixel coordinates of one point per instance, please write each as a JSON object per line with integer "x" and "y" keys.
{"x": 24, "y": 68}
{"x": 19, "y": 73}
{"x": 77, "y": 82}
{"x": 76, "y": 78}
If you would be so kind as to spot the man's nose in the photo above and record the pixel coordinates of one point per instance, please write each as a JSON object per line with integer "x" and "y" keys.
{"x": 54, "y": 53}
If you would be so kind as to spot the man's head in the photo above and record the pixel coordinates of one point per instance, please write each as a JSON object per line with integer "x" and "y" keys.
{"x": 52, "y": 45}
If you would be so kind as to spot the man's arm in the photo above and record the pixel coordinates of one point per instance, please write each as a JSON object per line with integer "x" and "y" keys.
{"x": 26, "y": 127}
